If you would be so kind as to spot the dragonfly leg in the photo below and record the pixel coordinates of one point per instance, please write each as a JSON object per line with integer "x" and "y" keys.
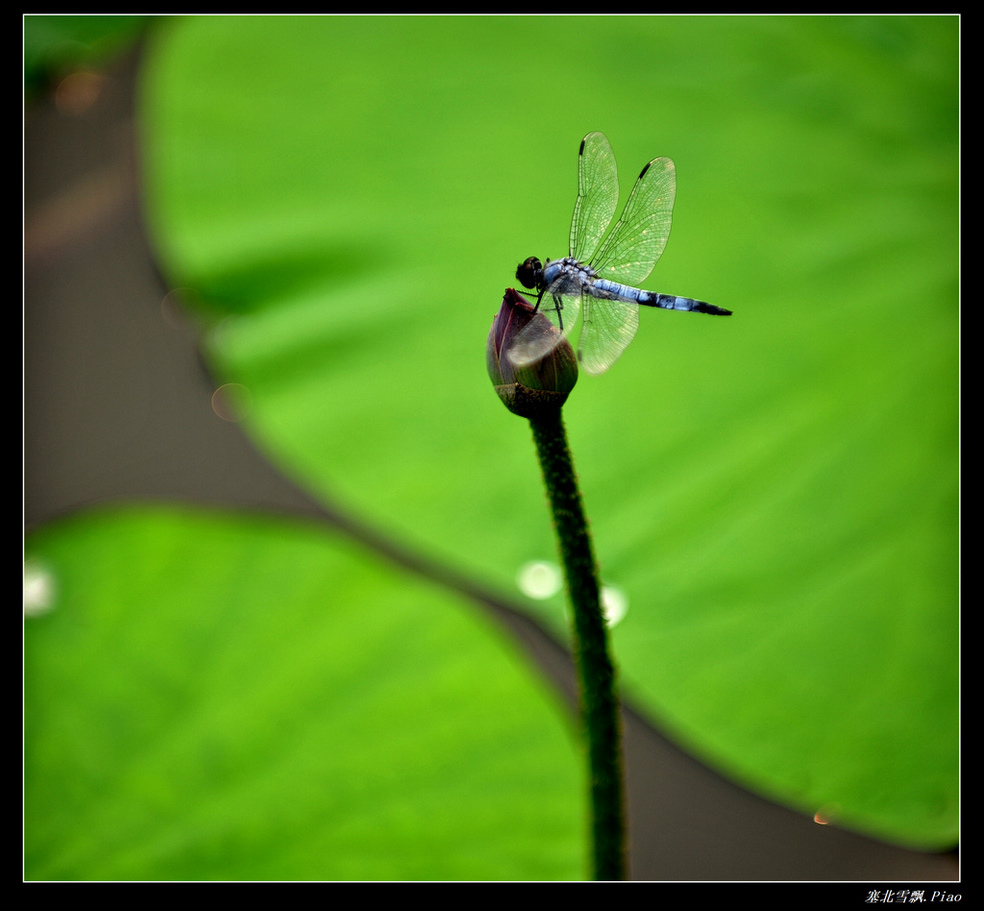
{"x": 559, "y": 304}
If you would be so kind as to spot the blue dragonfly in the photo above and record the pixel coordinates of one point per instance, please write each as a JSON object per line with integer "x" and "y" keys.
{"x": 597, "y": 279}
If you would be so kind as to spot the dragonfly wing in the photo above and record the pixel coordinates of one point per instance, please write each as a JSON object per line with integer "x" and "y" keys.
{"x": 597, "y": 196}
{"x": 638, "y": 240}
{"x": 554, "y": 320}
{"x": 607, "y": 328}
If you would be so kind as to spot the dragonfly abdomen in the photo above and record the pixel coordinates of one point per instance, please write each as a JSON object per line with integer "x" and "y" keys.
{"x": 672, "y": 302}
{"x": 606, "y": 289}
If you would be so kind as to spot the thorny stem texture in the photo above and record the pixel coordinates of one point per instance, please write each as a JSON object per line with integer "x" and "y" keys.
{"x": 596, "y": 672}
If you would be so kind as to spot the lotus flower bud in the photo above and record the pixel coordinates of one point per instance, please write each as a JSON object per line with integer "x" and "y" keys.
{"x": 542, "y": 384}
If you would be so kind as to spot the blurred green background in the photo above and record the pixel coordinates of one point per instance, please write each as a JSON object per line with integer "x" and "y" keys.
{"x": 341, "y": 202}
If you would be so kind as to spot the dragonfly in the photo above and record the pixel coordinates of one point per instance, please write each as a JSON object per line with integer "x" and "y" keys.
{"x": 597, "y": 279}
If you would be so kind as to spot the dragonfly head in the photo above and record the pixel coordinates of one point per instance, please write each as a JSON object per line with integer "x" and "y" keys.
{"x": 530, "y": 273}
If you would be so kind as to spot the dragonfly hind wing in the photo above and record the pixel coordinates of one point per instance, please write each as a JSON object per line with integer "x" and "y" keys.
{"x": 638, "y": 239}
{"x": 606, "y": 332}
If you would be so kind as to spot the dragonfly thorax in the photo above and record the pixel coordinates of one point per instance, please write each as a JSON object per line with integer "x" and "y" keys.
{"x": 533, "y": 274}
{"x": 563, "y": 274}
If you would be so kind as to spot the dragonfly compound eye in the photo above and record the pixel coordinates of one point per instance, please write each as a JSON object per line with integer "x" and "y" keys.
{"x": 527, "y": 272}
